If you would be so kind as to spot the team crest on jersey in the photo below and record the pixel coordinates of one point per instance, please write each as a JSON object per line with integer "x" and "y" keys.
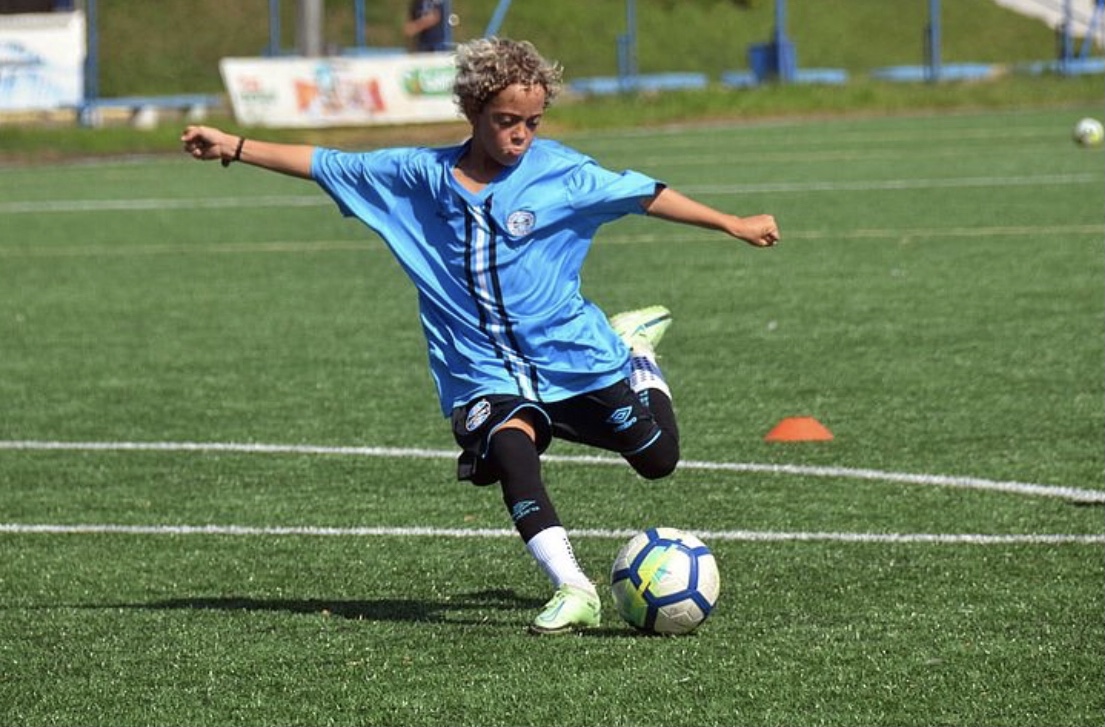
{"x": 520, "y": 223}
{"x": 477, "y": 415}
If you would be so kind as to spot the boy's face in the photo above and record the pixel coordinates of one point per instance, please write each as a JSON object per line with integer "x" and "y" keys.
{"x": 508, "y": 123}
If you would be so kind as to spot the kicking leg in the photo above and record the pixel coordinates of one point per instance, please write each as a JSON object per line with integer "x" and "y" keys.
{"x": 641, "y": 330}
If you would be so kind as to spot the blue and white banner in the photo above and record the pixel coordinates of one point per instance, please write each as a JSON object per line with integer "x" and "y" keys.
{"x": 41, "y": 61}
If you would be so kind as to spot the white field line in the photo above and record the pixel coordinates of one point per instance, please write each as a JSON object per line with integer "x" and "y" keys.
{"x": 369, "y": 242}
{"x": 681, "y": 136}
{"x": 315, "y": 200}
{"x": 717, "y": 535}
{"x": 1077, "y": 494}
{"x": 1062, "y": 232}
{"x": 863, "y": 185}
{"x": 157, "y": 204}
{"x": 793, "y": 153}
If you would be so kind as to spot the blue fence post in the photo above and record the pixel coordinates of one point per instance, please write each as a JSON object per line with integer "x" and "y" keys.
{"x": 1066, "y": 41}
{"x": 627, "y": 45}
{"x": 1092, "y": 29}
{"x": 932, "y": 43}
{"x": 359, "y": 23}
{"x": 274, "y": 28}
{"x": 497, "y": 18}
{"x": 92, "y": 55}
{"x": 447, "y": 19}
{"x": 784, "y": 61}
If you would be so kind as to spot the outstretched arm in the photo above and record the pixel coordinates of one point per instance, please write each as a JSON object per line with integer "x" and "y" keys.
{"x": 758, "y": 230}
{"x": 208, "y": 143}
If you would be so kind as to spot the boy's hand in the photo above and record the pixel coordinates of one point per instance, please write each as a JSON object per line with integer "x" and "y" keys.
{"x": 207, "y": 143}
{"x": 758, "y": 230}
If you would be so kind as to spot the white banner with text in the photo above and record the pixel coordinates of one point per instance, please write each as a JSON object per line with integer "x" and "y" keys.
{"x": 341, "y": 91}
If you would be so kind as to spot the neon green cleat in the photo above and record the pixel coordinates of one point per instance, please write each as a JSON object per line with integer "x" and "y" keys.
{"x": 571, "y": 608}
{"x": 642, "y": 328}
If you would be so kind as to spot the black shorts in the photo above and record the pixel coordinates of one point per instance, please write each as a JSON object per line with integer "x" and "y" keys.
{"x": 613, "y": 419}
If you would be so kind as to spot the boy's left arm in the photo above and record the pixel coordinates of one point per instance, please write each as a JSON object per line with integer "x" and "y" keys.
{"x": 667, "y": 204}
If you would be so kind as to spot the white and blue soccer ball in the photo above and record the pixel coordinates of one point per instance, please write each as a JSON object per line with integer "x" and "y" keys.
{"x": 1088, "y": 132}
{"x": 665, "y": 581}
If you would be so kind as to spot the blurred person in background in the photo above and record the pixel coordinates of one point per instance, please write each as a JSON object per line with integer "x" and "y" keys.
{"x": 427, "y": 26}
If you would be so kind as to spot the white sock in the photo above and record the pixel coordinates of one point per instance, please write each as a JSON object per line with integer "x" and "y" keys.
{"x": 645, "y": 372}
{"x": 553, "y": 552}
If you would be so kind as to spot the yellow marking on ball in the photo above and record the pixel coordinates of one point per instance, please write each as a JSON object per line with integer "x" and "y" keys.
{"x": 653, "y": 564}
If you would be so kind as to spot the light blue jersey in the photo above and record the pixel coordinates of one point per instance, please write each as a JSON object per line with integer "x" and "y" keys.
{"x": 497, "y": 272}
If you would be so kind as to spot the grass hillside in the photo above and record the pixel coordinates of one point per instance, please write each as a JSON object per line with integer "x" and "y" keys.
{"x": 155, "y": 48}
{"x": 164, "y": 48}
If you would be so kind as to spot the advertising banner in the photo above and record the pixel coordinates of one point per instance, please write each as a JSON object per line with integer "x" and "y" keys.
{"x": 341, "y": 91}
{"x": 41, "y": 61}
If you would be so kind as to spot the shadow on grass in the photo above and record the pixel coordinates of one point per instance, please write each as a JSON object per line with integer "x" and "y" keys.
{"x": 466, "y": 609}
{"x": 378, "y": 609}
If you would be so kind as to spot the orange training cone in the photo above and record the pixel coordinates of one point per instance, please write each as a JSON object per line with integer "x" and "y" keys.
{"x": 799, "y": 429}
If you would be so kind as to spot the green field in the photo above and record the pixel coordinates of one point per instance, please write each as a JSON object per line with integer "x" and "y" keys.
{"x": 227, "y": 496}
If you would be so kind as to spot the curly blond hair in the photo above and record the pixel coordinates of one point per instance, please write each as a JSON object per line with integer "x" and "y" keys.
{"x": 486, "y": 66}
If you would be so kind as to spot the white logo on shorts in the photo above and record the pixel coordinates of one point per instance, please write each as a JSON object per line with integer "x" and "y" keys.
{"x": 477, "y": 415}
{"x": 520, "y": 223}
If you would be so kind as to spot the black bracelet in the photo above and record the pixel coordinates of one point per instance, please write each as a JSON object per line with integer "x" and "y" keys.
{"x": 237, "y": 152}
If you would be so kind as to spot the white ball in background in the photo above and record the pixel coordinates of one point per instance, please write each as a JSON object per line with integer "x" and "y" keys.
{"x": 1088, "y": 132}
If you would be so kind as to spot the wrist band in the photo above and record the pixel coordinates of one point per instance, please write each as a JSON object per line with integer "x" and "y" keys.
{"x": 237, "y": 152}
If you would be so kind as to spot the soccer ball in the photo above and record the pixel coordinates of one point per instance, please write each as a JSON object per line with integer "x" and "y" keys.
{"x": 1088, "y": 132}
{"x": 665, "y": 581}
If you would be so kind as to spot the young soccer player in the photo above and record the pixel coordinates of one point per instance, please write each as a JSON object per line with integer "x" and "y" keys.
{"x": 493, "y": 233}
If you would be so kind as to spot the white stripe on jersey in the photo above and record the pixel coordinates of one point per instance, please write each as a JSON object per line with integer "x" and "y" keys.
{"x": 492, "y": 307}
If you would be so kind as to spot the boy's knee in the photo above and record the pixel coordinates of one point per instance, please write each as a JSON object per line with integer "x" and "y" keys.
{"x": 658, "y": 470}
{"x": 657, "y": 461}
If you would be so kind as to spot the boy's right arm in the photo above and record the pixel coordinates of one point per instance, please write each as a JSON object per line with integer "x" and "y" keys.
{"x": 208, "y": 143}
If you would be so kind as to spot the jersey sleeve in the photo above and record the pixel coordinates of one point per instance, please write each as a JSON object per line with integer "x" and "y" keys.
{"x": 593, "y": 189}
{"x": 363, "y": 185}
